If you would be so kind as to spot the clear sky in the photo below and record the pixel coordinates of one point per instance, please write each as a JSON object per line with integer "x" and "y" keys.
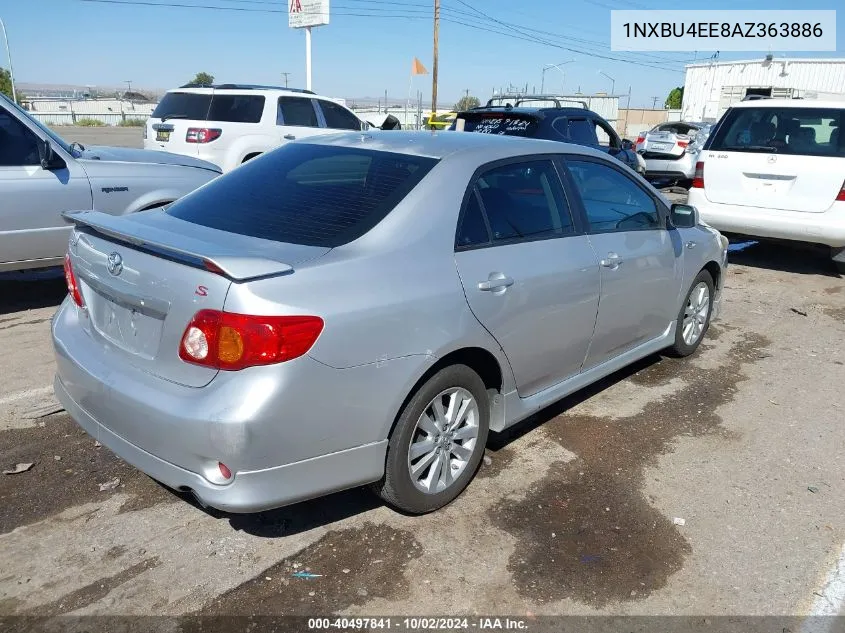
{"x": 367, "y": 49}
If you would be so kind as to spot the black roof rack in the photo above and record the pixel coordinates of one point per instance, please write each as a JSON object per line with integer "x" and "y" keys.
{"x": 520, "y": 99}
{"x": 246, "y": 87}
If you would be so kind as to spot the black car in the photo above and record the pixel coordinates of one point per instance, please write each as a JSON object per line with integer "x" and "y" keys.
{"x": 577, "y": 125}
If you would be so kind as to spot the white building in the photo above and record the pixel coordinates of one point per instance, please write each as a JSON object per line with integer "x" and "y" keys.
{"x": 709, "y": 88}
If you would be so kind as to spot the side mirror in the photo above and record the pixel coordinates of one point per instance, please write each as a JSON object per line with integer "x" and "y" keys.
{"x": 683, "y": 216}
{"x": 627, "y": 144}
{"x": 49, "y": 159}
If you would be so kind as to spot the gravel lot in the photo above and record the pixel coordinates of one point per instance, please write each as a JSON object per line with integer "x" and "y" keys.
{"x": 573, "y": 515}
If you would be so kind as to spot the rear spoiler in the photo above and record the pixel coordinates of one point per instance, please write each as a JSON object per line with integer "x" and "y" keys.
{"x": 198, "y": 253}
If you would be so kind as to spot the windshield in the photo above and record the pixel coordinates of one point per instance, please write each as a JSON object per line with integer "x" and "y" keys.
{"x": 55, "y": 137}
{"x": 812, "y": 131}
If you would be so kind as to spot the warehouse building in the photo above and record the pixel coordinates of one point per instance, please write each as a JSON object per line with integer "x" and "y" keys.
{"x": 711, "y": 87}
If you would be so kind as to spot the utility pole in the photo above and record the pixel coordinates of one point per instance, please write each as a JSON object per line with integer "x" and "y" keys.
{"x": 9, "y": 55}
{"x": 434, "y": 65}
{"x": 285, "y": 75}
{"x": 654, "y": 103}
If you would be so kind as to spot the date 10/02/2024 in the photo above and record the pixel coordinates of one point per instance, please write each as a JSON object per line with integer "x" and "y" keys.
{"x": 408, "y": 624}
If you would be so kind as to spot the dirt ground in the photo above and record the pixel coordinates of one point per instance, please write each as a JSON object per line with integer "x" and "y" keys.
{"x": 574, "y": 514}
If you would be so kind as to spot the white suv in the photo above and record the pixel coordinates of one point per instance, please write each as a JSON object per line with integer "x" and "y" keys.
{"x": 775, "y": 168}
{"x": 229, "y": 124}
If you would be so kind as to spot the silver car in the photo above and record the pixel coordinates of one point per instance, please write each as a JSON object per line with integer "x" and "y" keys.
{"x": 362, "y": 309}
{"x": 671, "y": 151}
{"x": 41, "y": 176}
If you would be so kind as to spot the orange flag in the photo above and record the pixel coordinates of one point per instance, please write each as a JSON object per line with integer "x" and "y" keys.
{"x": 417, "y": 68}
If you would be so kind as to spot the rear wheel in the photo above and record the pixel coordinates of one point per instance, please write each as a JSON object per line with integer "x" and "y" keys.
{"x": 694, "y": 317}
{"x": 438, "y": 442}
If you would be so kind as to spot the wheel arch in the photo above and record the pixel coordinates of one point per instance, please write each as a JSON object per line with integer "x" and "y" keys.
{"x": 480, "y": 360}
{"x": 715, "y": 272}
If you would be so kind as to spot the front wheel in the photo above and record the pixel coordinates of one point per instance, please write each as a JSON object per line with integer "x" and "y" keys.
{"x": 438, "y": 442}
{"x": 694, "y": 317}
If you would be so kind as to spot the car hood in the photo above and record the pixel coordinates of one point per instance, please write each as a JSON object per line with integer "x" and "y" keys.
{"x": 129, "y": 155}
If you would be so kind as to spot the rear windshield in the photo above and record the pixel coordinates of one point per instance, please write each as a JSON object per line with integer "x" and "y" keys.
{"x": 500, "y": 123}
{"x": 231, "y": 108}
{"x": 799, "y": 131}
{"x": 314, "y": 195}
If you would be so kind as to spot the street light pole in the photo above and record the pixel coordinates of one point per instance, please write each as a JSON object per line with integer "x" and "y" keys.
{"x": 612, "y": 82}
{"x": 558, "y": 66}
{"x": 9, "y": 55}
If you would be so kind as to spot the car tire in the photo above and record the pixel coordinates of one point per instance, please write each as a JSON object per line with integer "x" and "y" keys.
{"x": 694, "y": 314}
{"x": 411, "y": 485}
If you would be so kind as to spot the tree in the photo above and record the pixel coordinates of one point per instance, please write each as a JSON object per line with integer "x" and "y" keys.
{"x": 202, "y": 78}
{"x": 466, "y": 103}
{"x": 6, "y": 84}
{"x": 675, "y": 98}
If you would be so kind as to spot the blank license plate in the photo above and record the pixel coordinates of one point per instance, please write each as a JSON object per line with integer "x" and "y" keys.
{"x": 660, "y": 147}
{"x": 163, "y": 135}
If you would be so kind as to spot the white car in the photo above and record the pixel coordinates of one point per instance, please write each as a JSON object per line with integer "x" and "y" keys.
{"x": 775, "y": 168}
{"x": 229, "y": 124}
{"x": 42, "y": 176}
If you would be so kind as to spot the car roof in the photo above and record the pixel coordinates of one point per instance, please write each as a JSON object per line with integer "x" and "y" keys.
{"x": 246, "y": 89}
{"x": 437, "y": 144}
{"x": 789, "y": 103}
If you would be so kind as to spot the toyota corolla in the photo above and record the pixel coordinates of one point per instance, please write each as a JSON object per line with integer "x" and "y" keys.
{"x": 360, "y": 309}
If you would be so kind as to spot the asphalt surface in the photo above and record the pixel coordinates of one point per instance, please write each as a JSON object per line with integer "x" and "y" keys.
{"x": 574, "y": 514}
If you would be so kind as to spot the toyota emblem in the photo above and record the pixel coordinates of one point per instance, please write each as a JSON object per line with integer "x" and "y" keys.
{"x": 115, "y": 264}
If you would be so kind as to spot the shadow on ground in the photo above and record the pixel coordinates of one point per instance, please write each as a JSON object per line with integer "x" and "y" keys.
{"x": 29, "y": 290}
{"x": 803, "y": 259}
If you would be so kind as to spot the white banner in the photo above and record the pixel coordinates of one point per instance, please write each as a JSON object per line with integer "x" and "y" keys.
{"x": 743, "y": 30}
{"x": 302, "y": 13}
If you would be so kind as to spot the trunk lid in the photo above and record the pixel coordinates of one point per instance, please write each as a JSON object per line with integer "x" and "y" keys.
{"x": 782, "y": 155}
{"x": 665, "y": 144}
{"x": 773, "y": 181}
{"x": 142, "y": 280}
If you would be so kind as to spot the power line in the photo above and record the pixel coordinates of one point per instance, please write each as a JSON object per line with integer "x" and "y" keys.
{"x": 516, "y": 34}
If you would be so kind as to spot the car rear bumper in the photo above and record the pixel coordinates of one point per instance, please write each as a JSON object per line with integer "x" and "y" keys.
{"x": 283, "y": 442}
{"x": 683, "y": 167}
{"x": 826, "y": 228}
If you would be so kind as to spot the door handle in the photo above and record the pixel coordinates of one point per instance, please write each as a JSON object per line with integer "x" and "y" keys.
{"x": 496, "y": 282}
{"x": 691, "y": 244}
{"x": 289, "y": 137}
{"x": 613, "y": 261}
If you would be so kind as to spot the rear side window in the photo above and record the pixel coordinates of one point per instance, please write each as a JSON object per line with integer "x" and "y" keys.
{"x": 473, "y": 229}
{"x": 500, "y": 123}
{"x": 296, "y": 111}
{"x": 183, "y": 105}
{"x": 338, "y": 117}
{"x": 581, "y": 131}
{"x": 236, "y": 108}
{"x": 524, "y": 201}
{"x": 313, "y": 195}
{"x": 797, "y": 131}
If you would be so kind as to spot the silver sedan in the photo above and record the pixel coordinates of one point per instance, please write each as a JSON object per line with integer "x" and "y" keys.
{"x": 363, "y": 309}
{"x": 41, "y": 176}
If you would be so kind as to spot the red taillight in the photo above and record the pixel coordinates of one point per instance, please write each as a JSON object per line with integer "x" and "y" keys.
{"x": 72, "y": 285}
{"x": 202, "y": 134}
{"x": 683, "y": 143}
{"x": 640, "y": 140}
{"x": 841, "y": 196}
{"x": 224, "y": 470}
{"x": 698, "y": 179}
{"x": 224, "y": 340}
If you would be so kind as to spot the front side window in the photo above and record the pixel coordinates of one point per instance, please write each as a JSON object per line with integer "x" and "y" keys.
{"x": 314, "y": 195}
{"x": 524, "y": 201}
{"x": 338, "y": 117}
{"x": 782, "y": 130}
{"x": 612, "y": 201}
{"x": 297, "y": 111}
{"x": 18, "y": 145}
